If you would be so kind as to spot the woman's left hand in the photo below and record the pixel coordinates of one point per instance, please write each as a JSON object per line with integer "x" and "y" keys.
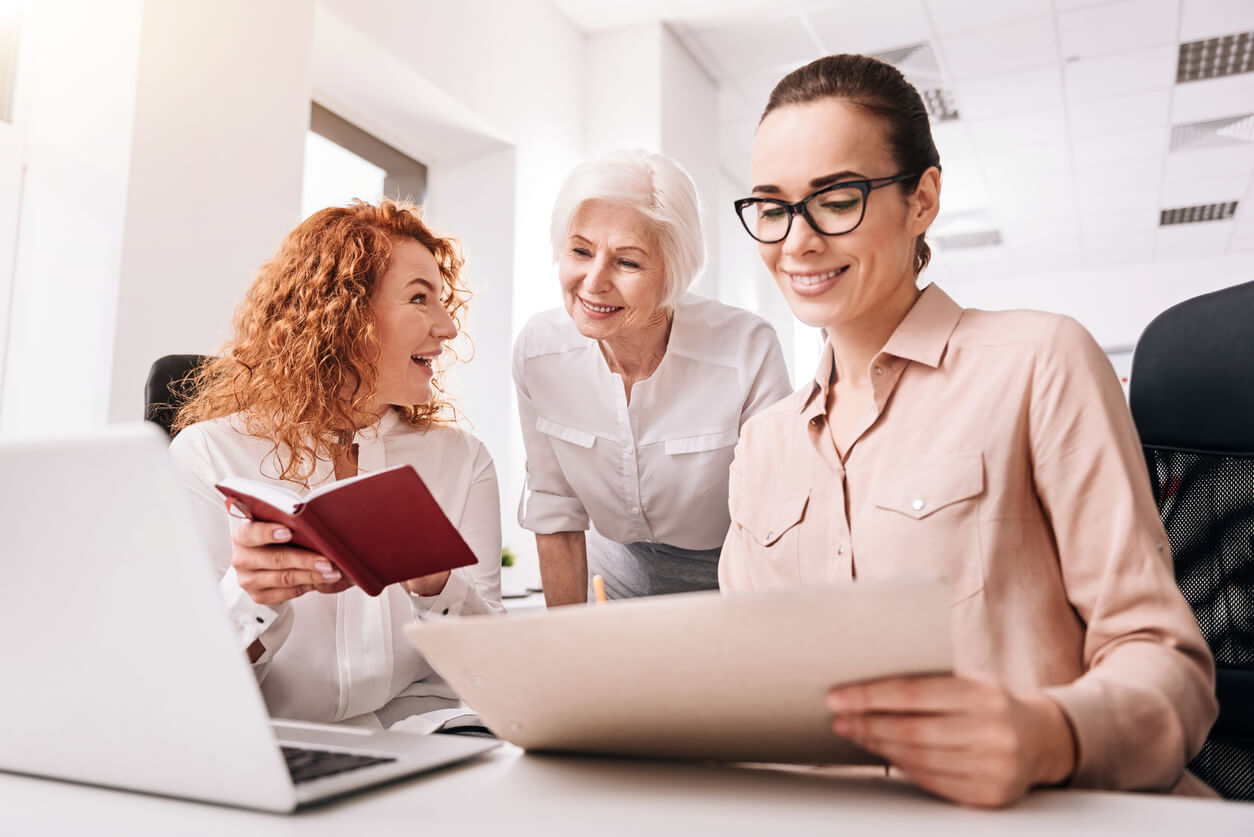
{"x": 427, "y": 585}
{"x": 969, "y": 740}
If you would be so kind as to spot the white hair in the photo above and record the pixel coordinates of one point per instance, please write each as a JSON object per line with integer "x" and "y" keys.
{"x": 655, "y": 186}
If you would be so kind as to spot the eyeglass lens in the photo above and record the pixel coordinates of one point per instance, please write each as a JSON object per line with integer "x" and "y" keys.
{"x": 833, "y": 212}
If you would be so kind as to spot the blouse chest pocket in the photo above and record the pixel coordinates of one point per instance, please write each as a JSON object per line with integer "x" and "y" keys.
{"x": 573, "y": 435}
{"x": 927, "y": 519}
{"x": 772, "y": 524}
{"x": 701, "y": 443}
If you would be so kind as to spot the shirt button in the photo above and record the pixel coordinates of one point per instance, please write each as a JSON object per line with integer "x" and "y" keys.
{"x": 840, "y": 550}
{"x": 879, "y": 370}
{"x": 635, "y": 510}
{"x": 918, "y": 504}
{"x": 629, "y": 450}
{"x": 1159, "y": 545}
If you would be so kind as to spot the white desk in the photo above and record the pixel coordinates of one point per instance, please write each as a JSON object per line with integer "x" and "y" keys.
{"x": 508, "y": 793}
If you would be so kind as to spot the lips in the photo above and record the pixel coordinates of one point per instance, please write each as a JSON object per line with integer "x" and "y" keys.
{"x": 426, "y": 361}
{"x": 599, "y": 310}
{"x": 816, "y": 282}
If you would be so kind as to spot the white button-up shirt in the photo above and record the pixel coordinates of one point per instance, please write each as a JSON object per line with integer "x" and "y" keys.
{"x": 345, "y": 656}
{"x": 654, "y": 470}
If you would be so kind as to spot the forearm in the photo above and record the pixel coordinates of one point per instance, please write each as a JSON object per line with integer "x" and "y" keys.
{"x": 563, "y": 567}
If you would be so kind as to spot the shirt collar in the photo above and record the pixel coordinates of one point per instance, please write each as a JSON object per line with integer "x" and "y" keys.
{"x": 921, "y": 336}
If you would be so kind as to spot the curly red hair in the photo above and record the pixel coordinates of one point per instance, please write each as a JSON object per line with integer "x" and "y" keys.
{"x": 301, "y": 366}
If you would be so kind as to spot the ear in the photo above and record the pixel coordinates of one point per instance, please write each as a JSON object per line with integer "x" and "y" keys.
{"x": 925, "y": 202}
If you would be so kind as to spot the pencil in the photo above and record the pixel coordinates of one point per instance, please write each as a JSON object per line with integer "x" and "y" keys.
{"x": 598, "y": 589}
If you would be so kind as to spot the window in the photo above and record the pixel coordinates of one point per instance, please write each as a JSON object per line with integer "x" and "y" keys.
{"x": 343, "y": 162}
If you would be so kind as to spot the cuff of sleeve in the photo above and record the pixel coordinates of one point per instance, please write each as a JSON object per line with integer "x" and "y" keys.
{"x": 448, "y": 602}
{"x": 545, "y": 514}
{"x": 251, "y": 619}
{"x": 1088, "y": 711}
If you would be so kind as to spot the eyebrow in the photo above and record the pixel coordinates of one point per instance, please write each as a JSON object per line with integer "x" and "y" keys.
{"x": 420, "y": 281}
{"x": 640, "y": 250}
{"x": 816, "y": 183}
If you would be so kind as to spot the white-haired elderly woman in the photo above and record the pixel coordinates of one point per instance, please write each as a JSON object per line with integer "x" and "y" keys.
{"x": 633, "y": 393}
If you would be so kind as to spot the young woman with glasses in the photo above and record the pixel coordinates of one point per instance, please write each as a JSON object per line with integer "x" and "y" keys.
{"x": 993, "y": 448}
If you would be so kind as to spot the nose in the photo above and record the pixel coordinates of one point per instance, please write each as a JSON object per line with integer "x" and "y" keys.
{"x": 597, "y": 280}
{"x": 802, "y": 240}
{"x": 443, "y": 326}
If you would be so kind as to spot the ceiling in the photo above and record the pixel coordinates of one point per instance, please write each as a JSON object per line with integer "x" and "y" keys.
{"x": 1062, "y": 152}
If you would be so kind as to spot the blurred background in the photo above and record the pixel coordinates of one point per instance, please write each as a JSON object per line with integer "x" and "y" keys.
{"x": 1097, "y": 160}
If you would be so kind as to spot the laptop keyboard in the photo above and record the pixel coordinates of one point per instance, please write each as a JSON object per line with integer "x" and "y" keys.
{"x": 307, "y": 765}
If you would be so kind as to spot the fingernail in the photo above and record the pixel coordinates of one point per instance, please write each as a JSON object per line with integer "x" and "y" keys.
{"x": 282, "y": 534}
{"x": 323, "y": 566}
{"x": 843, "y": 726}
{"x": 331, "y": 576}
{"x": 835, "y": 702}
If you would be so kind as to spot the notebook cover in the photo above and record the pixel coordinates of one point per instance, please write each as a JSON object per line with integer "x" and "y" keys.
{"x": 379, "y": 530}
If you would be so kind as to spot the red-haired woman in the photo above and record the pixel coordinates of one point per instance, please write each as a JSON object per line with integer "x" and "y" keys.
{"x": 332, "y": 370}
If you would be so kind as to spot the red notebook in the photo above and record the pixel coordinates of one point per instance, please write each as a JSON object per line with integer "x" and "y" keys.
{"x": 377, "y": 528}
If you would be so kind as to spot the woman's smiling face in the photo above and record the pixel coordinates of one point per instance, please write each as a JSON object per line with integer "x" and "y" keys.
{"x": 611, "y": 270}
{"x": 863, "y": 275}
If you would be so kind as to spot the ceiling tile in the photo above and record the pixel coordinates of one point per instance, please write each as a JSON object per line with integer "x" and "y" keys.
{"x": 1192, "y": 241}
{"x": 953, "y": 140}
{"x": 759, "y": 46}
{"x": 1068, "y": 5}
{"x": 869, "y": 27}
{"x": 1235, "y": 162}
{"x": 1001, "y": 49}
{"x": 1117, "y": 27}
{"x": 1200, "y": 191}
{"x": 1101, "y": 117}
{"x": 1131, "y": 72}
{"x": 1027, "y": 130}
{"x": 1118, "y": 195}
{"x": 963, "y": 188}
{"x": 1010, "y": 94}
{"x": 1195, "y": 101}
{"x": 1105, "y": 247}
{"x": 960, "y": 15}
{"x": 1210, "y": 18}
{"x": 1144, "y": 144}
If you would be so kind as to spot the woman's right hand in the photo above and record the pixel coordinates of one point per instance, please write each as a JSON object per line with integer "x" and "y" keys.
{"x": 272, "y": 571}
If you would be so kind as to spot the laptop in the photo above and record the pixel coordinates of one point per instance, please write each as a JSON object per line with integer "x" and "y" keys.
{"x": 121, "y": 666}
{"x": 696, "y": 676}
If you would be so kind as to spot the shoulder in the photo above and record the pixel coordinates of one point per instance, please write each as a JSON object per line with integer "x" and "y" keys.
{"x": 778, "y": 417}
{"x": 203, "y": 436}
{"x": 1025, "y": 328}
{"x": 717, "y": 332}
{"x": 546, "y": 333}
{"x": 450, "y": 444}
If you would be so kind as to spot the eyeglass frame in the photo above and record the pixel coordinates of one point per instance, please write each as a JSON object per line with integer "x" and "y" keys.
{"x": 796, "y": 208}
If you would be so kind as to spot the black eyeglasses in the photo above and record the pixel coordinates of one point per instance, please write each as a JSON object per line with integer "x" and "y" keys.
{"x": 833, "y": 210}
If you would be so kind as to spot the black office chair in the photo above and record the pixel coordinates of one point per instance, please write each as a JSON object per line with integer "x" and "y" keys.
{"x": 1192, "y": 396}
{"x": 168, "y": 387}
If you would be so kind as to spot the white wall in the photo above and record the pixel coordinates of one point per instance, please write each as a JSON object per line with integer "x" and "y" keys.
{"x": 74, "y": 113}
{"x": 221, "y": 112}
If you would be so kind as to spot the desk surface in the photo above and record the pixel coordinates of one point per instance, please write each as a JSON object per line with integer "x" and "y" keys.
{"x": 507, "y": 792}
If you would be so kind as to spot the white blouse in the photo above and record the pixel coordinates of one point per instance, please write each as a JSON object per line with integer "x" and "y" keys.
{"x": 345, "y": 656}
{"x": 654, "y": 470}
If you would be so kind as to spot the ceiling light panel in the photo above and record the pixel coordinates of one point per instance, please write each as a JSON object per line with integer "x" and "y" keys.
{"x": 962, "y": 15}
{"x": 1214, "y": 133}
{"x": 1124, "y": 74}
{"x": 1117, "y": 27}
{"x": 1228, "y": 55}
{"x": 1009, "y": 48}
{"x": 1198, "y": 214}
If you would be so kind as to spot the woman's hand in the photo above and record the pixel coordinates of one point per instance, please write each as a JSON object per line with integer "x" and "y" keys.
{"x": 969, "y": 740}
{"x": 427, "y": 585}
{"x": 271, "y": 572}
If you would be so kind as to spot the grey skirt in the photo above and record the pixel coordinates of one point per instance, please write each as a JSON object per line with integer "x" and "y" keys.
{"x": 649, "y": 569}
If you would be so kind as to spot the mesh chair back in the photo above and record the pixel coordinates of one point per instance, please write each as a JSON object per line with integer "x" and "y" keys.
{"x": 167, "y": 387}
{"x": 1192, "y": 396}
